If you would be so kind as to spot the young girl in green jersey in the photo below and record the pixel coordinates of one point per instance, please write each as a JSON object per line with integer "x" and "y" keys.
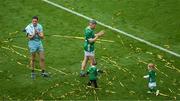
{"x": 151, "y": 79}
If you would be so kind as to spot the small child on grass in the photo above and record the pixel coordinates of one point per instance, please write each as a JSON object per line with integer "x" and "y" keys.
{"x": 152, "y": 79}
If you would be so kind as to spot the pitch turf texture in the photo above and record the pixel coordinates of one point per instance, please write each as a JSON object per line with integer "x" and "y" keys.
{"x": 123, "y": 59}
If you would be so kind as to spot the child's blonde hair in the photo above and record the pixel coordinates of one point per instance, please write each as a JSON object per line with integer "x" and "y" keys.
{"x": 151, "y": 66}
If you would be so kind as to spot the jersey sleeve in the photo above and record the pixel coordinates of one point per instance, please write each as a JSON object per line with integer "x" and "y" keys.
{"x": 88, "y": 34}
{"x": 96, "y": 72}
{"x": 28, "y": 31}
{"x": 88, "y": 70}
{"x": 40, "y": 28}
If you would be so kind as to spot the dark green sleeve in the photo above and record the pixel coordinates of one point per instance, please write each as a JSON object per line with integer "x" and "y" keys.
{"x": 96, "y": 72}
{"x": 150, "y": 74}
{"x": 88, "y": 34}
{"x": 88, "y": 70}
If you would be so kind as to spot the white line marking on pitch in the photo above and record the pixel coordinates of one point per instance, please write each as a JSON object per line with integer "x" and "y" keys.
{"x": 114, "y": 29}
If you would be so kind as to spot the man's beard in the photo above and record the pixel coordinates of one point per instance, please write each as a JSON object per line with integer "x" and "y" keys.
{"x": 34, "y": 25}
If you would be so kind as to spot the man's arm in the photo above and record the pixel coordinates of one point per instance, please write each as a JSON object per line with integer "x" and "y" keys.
{"x": 96, "y": 36}
{"x": 40, "y": 32}
{"x": 101, "y": 33}
{"x": 41, "y": 35}
{"x": 91, "y": 40}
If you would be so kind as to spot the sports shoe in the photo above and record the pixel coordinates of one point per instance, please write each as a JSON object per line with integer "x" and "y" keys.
{"x": 82, "y": 74}
{"x": 89, "y": 83}
{"x": 44, "y": 74}
{"x": 33, "y": 75}
{"x": 157, "y": 92}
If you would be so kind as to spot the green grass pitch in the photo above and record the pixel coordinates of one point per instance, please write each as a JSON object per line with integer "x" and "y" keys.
{"x": 123, "y": 59}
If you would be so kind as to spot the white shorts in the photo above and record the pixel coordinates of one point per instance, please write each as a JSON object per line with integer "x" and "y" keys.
{"x": 86, "y": 53}
{"x": 152, "y": 85}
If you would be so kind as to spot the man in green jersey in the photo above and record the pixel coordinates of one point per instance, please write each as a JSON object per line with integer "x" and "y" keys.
{"x": 90, "y": 39}
{"x": 152, "y": 79}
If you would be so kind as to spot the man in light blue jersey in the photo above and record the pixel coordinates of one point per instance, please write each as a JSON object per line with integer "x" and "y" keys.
{"x": 34, "y": 32}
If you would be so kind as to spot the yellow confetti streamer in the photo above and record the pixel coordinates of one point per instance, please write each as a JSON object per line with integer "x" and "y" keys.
{"x": 81, "y": 38}
{"x": 58, "y": 70}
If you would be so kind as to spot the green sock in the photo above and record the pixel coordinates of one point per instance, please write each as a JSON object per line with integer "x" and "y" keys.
{"x": 43, "y": 71}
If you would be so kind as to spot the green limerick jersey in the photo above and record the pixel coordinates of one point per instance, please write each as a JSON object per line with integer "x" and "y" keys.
{"x": 89, "y": 33}
{"x": 152, "y": 76}
{"x": 92, "y": 73}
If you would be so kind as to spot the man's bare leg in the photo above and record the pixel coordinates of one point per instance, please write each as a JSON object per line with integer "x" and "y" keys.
{"x": 84, "y": 63}
{"x": 42, "y": 60}
{"x": 32, "y": 61}
{"x": 32, "y": 64}
{"x": 92, "y": 60}
{"x": 83, "y": 66}
{"x": 42, "y": 64}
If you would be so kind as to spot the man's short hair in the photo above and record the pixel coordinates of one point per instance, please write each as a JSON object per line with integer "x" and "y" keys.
{"x": 93, "y": 21}
{"x": 35, "y": 17}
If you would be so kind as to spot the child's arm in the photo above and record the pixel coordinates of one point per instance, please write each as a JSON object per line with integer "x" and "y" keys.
{"x": 87, "y": 72}
{"x": 100, "y": 71}
{"x": 146, "y": 76}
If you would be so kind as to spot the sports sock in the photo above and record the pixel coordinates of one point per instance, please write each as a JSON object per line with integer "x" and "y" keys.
{"x": 43, "y": 71}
